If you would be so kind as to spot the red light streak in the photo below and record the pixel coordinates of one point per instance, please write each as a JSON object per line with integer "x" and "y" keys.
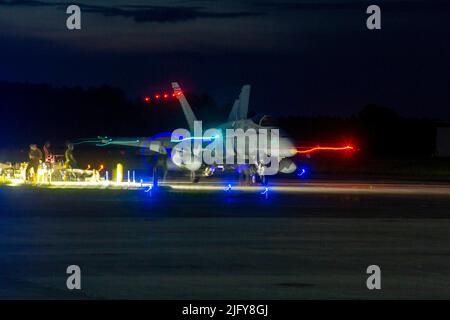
{"x": 318, "y": 148}
{"x": 158, "y": 96}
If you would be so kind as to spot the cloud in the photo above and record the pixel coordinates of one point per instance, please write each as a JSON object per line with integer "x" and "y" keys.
{"x": 163, "y": 14}
{"x": 406, "y": 6}
{"x": 141, "y": 14}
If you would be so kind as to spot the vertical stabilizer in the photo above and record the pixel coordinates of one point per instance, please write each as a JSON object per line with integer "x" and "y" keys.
{"x": 187, "y": 110}
{"x": 243, "y": 102}
{"x": 240, "y": 106}
{"x": 234, "y": 114}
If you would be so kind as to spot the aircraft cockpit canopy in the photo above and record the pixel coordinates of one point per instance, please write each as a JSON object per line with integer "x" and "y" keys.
{"x": 265, "y": 120}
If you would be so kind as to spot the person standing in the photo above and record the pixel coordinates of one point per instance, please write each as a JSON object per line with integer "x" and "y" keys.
{"x": 70, "y": 163}
{"x": 49, "y": 161}
{"x": 48, "y": 155}
{"x": 34, "y": 157}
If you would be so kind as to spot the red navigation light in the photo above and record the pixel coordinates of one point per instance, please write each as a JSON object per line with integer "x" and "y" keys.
{"x": 147, "y": 99}
{"x": 165, "y": 96}
{"x": 173, "y": 95}
{"x": 179, "y": 93}
{"x": 318, "y": 148}
{"x": 157, "y": 96}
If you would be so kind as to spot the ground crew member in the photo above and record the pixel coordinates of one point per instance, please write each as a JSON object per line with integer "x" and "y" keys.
{"x": 48, "y": 155}
{"x": 34, "y": 157}
{"x": 49, "y": 161}
{"x": 70, "y": 163}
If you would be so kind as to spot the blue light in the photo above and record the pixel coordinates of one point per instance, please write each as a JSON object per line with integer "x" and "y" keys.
{"x": 241, "y": 168}
{"x": 228, "y": 188}
{"x": 181, "y": 139}
{"x": 149, "y": 190}
{"x": 302, "y": 172}
{"x": 266, "y": 192}
{"x": 146, "y": 145}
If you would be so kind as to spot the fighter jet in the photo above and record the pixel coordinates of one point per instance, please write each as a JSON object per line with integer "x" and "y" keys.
{"x": 238, "y": 119}
{"x": 164, "y": 144}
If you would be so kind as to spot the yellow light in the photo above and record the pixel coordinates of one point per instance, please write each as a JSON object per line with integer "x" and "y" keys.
{"x": 119, "y": 173}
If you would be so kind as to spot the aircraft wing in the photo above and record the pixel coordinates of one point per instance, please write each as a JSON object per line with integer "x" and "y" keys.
{"x": 159, "y": 143}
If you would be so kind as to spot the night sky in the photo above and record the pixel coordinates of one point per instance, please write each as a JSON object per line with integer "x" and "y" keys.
{"x": 301, "y": 57}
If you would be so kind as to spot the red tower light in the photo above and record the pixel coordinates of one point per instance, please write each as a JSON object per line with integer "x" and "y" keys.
{"x": 147, "y": 99}
{"x": 157, "y": 96}
{"x": 165, "y": 96}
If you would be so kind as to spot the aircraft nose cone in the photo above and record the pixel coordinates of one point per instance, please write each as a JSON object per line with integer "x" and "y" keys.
{"x": 292, "y": 150}
{"x": 287, "y": 148}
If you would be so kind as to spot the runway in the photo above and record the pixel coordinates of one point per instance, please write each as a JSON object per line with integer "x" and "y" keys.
{"x": 278, "y": 185}
{"x": 302, "y": 240}
{"x": 327, "y": 187}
